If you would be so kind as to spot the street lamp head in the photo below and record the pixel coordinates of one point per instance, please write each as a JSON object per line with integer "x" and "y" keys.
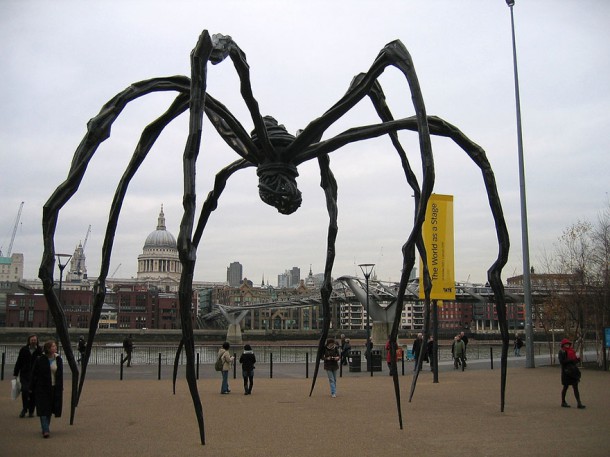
{"x": 367, "y": 269}
{"x": 510, "y": 2}
{"x": 60, "y": 258}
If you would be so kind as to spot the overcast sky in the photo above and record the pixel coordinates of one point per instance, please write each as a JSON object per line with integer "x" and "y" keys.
{"x": 62, "y": 60}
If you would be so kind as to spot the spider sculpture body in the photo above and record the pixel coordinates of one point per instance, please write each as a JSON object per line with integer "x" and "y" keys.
{"x": 276, "y": 154}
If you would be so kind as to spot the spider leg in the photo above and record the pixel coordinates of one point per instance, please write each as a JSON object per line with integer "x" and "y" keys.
{"x": 231, "y": 130}
{"x": 393, "y": 54}
{"x": 98, "y": 130}
{"x": 477, "y": 154}
{"x": 439, "y": 127}
{"x": 211, "y": 202}
{"x": 186, "y": 250}
{"x": 209, "y": 205}
{"x": 329, "y": 184}
{"x": 366, "y": 84}
{"x": 225, "y": 46}
{"x": 148, "y": 138}
{"x": 378, "y": 100}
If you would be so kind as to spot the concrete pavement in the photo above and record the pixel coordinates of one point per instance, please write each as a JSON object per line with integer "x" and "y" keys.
{"x": 459, "y": 416}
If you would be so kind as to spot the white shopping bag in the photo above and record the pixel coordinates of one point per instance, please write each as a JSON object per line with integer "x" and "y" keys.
{"x": 15, "y": 388}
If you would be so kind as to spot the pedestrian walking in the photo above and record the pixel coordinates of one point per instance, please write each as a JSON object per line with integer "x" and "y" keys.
{"x": 464, "y": 338}
{"x": 518, "y": 345}
{"x": 416, "y": 348}
{"x": 570, "y": 373}
{"x": 128, "y": 347}
{"x": 47, "y": 385}
{"x": 368, "y": 350}
{"x": 347, "y": 346}
{"x": 430, "y": 352}
{"x": 23, "y": 369}
{"x": 331, "y": 364}
{"x": 82, "y": 348}
{"x": 247, "y": 360}
{"x": 459, "y": 353}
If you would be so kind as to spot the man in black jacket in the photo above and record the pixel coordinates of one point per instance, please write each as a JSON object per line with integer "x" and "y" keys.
{"x": 23, "y": 368}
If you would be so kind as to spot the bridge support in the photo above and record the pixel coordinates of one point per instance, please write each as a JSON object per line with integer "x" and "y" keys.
{"x": 380, "y": 333}
{"x": 234, "y": 335}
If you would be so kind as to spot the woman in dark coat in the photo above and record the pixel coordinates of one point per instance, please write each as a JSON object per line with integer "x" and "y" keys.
{"x": 570, "y": 374}
{"x": 47, "y": 385}
{"x": 247, "y": 360}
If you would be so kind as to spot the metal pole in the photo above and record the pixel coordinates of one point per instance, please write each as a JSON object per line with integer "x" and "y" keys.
{"x": 434, "y": 355}
{"x": 367, "y": 269}
{"x": 527, "y": 293}
{"x": 159, "y": 368}
{"x": 368, "y": 326}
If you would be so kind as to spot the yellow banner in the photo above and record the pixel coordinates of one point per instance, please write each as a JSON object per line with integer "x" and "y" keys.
{"x": 437, "y": 232}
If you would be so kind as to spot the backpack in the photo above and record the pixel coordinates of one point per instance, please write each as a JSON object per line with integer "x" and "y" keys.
{"x": 219, "y": 363}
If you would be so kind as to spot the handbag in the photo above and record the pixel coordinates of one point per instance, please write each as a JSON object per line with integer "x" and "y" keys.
{"x": 572, "y": 371}
{"x": 15, "y": 388}
{"x": 219, "y": 363}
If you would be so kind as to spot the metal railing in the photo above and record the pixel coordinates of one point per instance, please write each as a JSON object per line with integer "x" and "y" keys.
{"x": 151, "y": 354}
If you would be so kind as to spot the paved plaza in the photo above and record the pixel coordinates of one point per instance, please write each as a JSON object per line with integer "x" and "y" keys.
{"x": 459, "y": 416}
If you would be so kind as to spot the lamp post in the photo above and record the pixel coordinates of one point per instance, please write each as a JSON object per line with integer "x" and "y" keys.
{"x": 62, "y": 266}
{"x": 527, "y": 292}
{"x": 367, "y": 269}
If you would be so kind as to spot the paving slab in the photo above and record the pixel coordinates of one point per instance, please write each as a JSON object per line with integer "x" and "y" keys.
{"x": 459, "y": 416}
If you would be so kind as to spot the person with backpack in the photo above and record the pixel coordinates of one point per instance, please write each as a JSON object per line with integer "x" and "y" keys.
{"x": 518, "y": 345}
{"x": 227, "y": 360}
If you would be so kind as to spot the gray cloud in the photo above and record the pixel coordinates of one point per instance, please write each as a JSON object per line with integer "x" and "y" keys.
{"x": 63, "y": 60}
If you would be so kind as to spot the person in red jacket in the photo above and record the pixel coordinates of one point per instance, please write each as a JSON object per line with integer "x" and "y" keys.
{"x": 570, "y": 374}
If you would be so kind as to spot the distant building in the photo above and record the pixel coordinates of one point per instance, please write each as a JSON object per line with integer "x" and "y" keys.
{"x": 234, "y": 274}
{"x": 295, "y": 277}
{"x": 11, "y": 268}
{"x": 78, "y": 265}
{"x": 159, "y": 258}
{"x": 127, "y": 306}
{"x": 290, "y": 278}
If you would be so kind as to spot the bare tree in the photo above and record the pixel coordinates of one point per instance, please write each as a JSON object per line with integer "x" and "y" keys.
{"x": 600, "y": 261}
{"x": 578, "y": 282}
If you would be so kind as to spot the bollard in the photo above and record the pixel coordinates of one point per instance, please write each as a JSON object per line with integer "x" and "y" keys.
{"x": 3, "y": 363}
{"x": 197, "y": 366}
{"x": 121, "y": 369}
{"x": 491, "y": 357}
{"x": 307, "y": 365}
{"x": 159, "y": 369}
{"x": 402, "y": 362}
{"x": 271, "y": 365}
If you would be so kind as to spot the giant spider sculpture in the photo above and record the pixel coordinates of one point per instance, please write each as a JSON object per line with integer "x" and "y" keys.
{"x": 276, "y": 154}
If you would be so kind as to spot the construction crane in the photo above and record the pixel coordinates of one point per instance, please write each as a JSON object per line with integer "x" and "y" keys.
{"x": 87, "y": 237}
{"x": 115, "y": 270}
{"x": 10, "y": 246}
